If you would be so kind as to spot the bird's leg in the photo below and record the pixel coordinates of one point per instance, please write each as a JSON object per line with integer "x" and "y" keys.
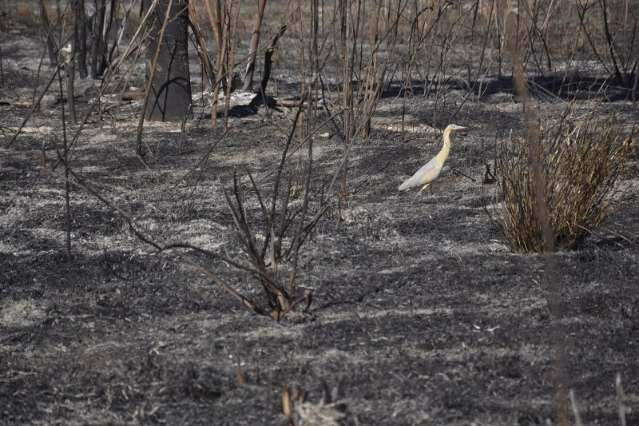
{"x": 423, "y": 188}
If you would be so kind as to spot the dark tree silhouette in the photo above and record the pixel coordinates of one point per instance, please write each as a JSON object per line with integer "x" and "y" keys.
{"x": 170, "y": 88}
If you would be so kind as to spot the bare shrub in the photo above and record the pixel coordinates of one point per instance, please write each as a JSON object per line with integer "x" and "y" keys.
{"x": 581, "y": 159}
{"x": 286, "y": 222}
{"x": 270, "y": 227}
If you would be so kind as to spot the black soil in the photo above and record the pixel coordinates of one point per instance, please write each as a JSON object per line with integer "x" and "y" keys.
{"x": 421, "y": 313}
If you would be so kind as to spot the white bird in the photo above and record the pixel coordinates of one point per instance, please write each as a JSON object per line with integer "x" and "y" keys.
{"x": 430, "y": 171}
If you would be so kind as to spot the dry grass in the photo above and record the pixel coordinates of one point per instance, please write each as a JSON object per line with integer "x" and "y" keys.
{"x": 581, "y": 159}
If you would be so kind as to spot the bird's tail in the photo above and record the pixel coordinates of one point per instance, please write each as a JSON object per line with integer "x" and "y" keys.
{"x": 405, "y": 186}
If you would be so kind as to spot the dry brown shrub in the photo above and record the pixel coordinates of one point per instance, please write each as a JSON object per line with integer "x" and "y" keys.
{"x": 581, "y": 159}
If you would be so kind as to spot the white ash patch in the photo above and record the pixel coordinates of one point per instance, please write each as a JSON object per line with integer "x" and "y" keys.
{"x": 21, "y": 313}
{"x": 320, "y": 414}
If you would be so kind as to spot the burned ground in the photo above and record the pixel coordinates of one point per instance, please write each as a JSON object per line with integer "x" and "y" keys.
{"x": 422, "y": 314}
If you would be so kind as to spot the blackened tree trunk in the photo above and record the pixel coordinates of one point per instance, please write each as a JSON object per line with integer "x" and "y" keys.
{"x": 46, "y": 26}
{"x": 170, "y": 88}
{"x": 108, "y": 53}
{"x": 98, "y": 45}
{"x": 81, "y": 37}
{"x": 255, "y": 43}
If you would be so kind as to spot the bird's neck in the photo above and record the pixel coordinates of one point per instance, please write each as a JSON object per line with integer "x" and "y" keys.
{"x": 443, "y": 153}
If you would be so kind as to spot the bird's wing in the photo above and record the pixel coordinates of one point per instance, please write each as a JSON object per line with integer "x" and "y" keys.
{"x": 426, "y": 174}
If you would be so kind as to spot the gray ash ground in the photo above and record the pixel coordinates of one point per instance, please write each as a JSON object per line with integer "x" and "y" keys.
{"x": 421, "y": 314}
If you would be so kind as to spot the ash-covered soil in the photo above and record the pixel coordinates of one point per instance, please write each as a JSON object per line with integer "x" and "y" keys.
{"x": 421, "y": 312}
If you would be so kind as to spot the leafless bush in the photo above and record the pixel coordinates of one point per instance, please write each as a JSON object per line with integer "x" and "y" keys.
{"x": 273, "y": 237}
{"x": 581, "y": 160}
{"x": 270, "y": 237}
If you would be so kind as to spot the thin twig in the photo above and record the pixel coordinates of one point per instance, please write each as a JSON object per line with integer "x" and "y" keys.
{"x": 67, "y": 186}
{"x": 34, "y": 107}
{"x": 575, "y": 408}
{"x": 464, "y": 175}
{"x": 621, "y": 400}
